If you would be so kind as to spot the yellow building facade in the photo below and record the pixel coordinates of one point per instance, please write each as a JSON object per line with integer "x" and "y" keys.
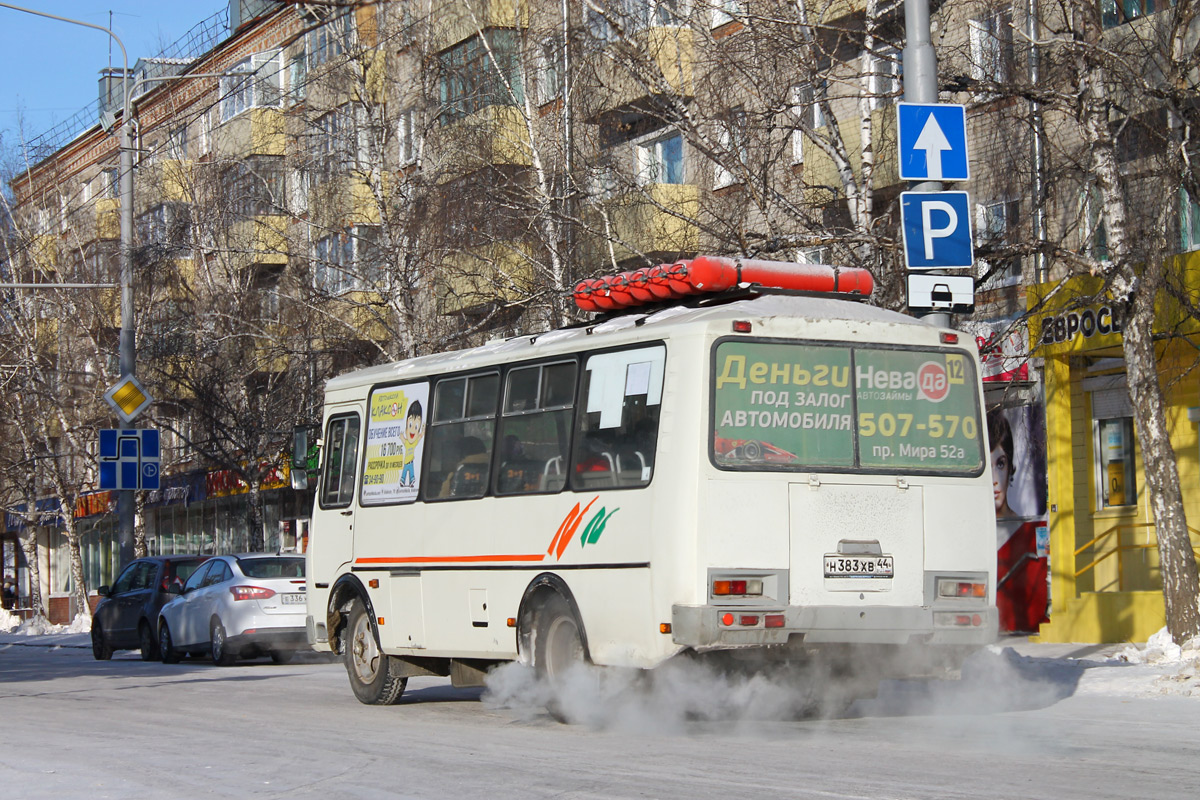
{"x": 1106, "y": 584}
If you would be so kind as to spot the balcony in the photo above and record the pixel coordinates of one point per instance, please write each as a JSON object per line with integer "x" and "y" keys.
{"x": 166, "y": 181}
{"x": 257, "y": 131}
{"x": 669, "y": 55}
{"x": 108, "y": 218}
{"x": 820, "y": 171}
{"x": 655, "y": 223}
{"x": 491, "y": 136}
{"x": 260, "y": 240}
{"x": 462, "y": 20}
{"x": 498, "y": 272}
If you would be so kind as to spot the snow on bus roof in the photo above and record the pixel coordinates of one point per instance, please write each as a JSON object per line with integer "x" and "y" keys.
{"x": 757, "y": 306}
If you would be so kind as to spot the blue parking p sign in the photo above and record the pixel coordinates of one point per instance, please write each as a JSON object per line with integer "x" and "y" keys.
{"x": 129, "y": 459}
{"x": 937, "y": 230}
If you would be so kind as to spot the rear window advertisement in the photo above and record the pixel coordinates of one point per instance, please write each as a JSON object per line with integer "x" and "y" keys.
{"x": 796, "y": 406}
{"x": 395, "y": 434}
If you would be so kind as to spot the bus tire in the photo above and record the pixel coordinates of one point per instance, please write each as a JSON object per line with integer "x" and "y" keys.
{"x": 558, "y": 639}
{"x": 370, "y": 669}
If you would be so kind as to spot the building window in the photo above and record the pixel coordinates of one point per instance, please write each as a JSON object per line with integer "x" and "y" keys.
{"x": 1116, "y": 476}
{"x": 260, "y": 87}
{"x": 177, "y": 143}
{"x": 347, "y": 261}
{"x": 992, "y": 46}
{"x": 1094, "y": 235}
{"x": 254, "y": 187}
{"x": 107, "y": 185}
{"x": 732, "y": 150}
{"x": 408, "y": 136}
{"x": 297, "y": 88}
{"x": 1189, "y": 221}
{"x": 660, "y": 160}
{"x": 996, "y": 226}
{"x": 167, "y": 227}
{"x": 330, "y": 40}
{"x": 475, "y": 77}
{"x": 1118, "y": 12}
{"x": 725, "y": 11}
{"x": 549, "y": 71}
{"x": 633, "y": 16}
{"x": 885, "y": 79}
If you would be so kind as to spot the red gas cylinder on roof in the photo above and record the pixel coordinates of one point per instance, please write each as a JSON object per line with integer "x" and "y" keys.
{"x": 712, "y": 274}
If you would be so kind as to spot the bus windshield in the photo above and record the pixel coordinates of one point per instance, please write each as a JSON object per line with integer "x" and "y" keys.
{"x": 842, "y": 407}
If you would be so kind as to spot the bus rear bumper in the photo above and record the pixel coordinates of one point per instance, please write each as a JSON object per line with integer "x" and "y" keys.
{"x": 717, "y": 627}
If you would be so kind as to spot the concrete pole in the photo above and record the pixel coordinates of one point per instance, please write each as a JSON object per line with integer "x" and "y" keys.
{"x": 921, "y": 86}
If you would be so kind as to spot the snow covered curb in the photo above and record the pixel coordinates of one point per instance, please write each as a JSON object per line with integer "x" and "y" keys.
{"x": 13, "y": 625}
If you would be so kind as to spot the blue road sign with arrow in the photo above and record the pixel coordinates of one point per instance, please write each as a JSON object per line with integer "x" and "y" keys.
{"x": 933, "y": 141}
{"x": 937, "y": 230}
{"x": 129, "y": 459}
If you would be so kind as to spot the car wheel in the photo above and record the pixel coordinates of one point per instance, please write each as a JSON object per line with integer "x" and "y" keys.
{"x": 558, "y": 640}
{"x": 166, "y": 648}
{"x": 282, "y": 656}
{"x": 100, "y": 647}
{"x": 148, "y": 643}
{"x": 372, "y": 672}
{"x": 219, "y": 645}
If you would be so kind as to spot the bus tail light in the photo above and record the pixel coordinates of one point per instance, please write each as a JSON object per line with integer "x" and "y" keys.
{"x": 949, "y": 587}
{"x": 748, "y": 620}
{"x": 737, "y": 586}
{"x": 773, "y": 621}
{"x": 949, "y": 338}
{"x": 251, "y": 592}
{"x": 742, "y": 326}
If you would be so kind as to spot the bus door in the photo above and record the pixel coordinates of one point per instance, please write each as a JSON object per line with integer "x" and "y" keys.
{"x": 331, "y": 545}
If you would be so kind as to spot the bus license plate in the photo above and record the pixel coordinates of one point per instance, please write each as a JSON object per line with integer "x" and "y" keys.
{"x": 293, "y": 599}
{"x": 840, "y": 566}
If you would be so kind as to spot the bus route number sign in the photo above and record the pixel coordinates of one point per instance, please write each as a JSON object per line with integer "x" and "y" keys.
{"x": 838, "y": 565}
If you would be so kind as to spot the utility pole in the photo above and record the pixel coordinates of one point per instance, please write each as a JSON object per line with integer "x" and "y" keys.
{"x": 126, "y": 354}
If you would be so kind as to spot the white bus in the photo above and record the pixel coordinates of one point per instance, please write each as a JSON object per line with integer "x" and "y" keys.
{"x": 776, "y": 474}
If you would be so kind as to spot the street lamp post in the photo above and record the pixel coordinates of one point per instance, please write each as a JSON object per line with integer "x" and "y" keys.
{"x": 126, "y": 354}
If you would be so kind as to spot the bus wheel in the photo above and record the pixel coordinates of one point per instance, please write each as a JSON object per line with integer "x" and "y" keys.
{"x": 370, "y": 670}
{"x": 558, "y": 643}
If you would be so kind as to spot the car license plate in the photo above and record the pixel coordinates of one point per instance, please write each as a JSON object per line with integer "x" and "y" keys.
{"x": 292, "y": 599}
{"x": 840, "y": 566}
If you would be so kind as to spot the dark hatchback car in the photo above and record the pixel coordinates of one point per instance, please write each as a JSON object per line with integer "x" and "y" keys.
{"x": 127, "y": 616}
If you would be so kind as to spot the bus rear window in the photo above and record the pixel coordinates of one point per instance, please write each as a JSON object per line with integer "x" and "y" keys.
{"x": 800, "y": 406}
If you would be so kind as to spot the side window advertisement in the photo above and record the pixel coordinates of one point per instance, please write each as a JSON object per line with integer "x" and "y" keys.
{"x": 800, "y": 405}
{"x": 395, "y": 435}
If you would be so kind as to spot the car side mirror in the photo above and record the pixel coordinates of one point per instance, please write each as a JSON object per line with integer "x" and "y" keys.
{"x": 303, "y": 439}
{"x": 174, "y": 588}
{"x": 103, "y": 591}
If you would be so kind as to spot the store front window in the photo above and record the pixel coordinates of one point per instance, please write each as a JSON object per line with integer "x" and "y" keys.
{"x": 1116, "y": 479}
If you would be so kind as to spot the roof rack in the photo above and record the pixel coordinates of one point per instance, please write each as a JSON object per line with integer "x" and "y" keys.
{"x": 707, "y": 275}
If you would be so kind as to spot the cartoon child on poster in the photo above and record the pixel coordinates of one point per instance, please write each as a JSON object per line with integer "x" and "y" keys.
{"x": 414, "y": 430}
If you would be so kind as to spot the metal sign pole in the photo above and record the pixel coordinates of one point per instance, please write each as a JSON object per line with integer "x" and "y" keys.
{"x": 921, "y": 86}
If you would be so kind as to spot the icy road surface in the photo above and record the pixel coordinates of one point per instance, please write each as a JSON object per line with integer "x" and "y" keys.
{"x": 1038, "y": 725}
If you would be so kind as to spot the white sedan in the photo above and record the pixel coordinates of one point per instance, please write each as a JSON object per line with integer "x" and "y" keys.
{"x": 237, "y": 606}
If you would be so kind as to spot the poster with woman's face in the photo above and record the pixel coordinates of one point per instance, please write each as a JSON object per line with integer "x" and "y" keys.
{"x": 1016, "y": 438}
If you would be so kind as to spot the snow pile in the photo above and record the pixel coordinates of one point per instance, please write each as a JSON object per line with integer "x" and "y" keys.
{"x": 38, "y": 626}
{"x": 1176, "y": 668}
{"x": 81, "y": 624}
{"x": 8, "y": 621}
{"x": 1161, "y": 649}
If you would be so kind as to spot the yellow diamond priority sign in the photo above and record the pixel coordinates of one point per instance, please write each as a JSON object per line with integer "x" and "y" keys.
{"x": 128, "y": 398}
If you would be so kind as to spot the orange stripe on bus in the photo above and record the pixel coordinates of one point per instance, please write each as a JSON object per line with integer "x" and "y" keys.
{"x": 447, "y": 559}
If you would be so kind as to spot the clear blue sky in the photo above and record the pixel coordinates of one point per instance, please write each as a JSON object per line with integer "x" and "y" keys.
{"x": 50, "y": 69}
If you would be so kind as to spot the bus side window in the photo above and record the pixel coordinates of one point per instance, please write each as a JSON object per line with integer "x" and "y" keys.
{"x": 461, "y": 433}
{"x": 618, "y": 430}
{"x": 535, "y": 428}
{"x": 341, "y": 461}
